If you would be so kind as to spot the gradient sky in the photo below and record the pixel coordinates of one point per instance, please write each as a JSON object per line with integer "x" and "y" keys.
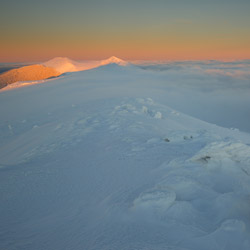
{"x": 34, "y": 30}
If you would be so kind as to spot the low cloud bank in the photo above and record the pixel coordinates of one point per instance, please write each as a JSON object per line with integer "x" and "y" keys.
{"x": 214, "y": 91}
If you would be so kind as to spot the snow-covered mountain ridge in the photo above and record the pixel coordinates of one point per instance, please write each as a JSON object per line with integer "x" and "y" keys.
{"x": 51, "y": 68}
{"x": 99, "y": 159}
{"x": 64, "y": 64}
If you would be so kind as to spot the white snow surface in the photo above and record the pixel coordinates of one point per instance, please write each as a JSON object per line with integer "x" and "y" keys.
{"x": 101, "y": 159}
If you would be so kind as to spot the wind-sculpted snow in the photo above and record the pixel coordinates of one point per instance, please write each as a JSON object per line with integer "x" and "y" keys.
{"x": 98, "y": 160}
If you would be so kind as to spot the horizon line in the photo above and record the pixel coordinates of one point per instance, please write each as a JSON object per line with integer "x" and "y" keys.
{"x": 130, "y": 60}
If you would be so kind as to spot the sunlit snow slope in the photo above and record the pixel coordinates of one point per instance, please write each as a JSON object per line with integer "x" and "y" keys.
{"x": 27, "y": 73}
{"x": 97, "y": 160}
{"x": 22, "y": 76}
{"x": 64, "y": 64}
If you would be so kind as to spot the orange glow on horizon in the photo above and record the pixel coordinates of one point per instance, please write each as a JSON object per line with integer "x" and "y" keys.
{"x": 160, "y": 54}
{"x": 134, "y": 47}
{"x": 132, "y": 30}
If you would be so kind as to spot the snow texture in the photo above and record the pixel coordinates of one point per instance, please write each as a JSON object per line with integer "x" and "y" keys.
{"x": 98, "y": 159}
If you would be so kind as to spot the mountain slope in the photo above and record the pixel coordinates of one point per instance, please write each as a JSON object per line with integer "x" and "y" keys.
{"x": 62, "y": 64}
{"x": 52, "y": 68}
{"x": 27, "y": 73}
{"x": 97, "y": 160}
{"x": 115, "y": 60}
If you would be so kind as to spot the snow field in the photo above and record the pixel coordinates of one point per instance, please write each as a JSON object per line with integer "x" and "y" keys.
{"x": 94, "y": 160}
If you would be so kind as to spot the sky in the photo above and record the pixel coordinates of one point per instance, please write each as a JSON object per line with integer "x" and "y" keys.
{"x": 34, "y": 30}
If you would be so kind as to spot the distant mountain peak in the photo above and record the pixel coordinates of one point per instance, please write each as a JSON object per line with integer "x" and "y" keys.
{"x": 60, "y": 58}
{"x": 114, "y": 59}
{"x": 64, "y": 64}
{"x": 61, "y": 64}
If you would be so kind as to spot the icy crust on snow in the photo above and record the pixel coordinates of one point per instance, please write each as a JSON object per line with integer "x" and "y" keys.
{"x": 90, "y": 164}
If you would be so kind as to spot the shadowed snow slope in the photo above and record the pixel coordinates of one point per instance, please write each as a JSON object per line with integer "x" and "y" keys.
{"x": 27, "y": 73}
{"x": 98, "y": 159}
